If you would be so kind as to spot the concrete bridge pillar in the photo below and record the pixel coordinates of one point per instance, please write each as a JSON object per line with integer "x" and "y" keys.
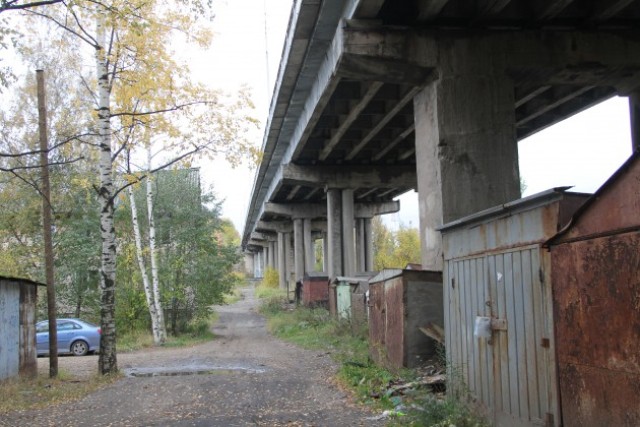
{"x": 271, "y": 254}
{"x": 289, "y": 261}
{"x": 466, "y": 151}
{"x": 334, "y": 233}
{"x": 325, "y": 252}
{"x": 340, "y": 232}
{"x": 298, "y": 248}
{"x": 348, "y": 237}
{"x": 364, "y": 245}
{"x": 282, "y": 261}
{"x": 309, "y": 252}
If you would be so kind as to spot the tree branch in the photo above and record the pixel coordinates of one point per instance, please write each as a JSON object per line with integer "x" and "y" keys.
{"x": 53, "y": 147}
{"x": 165, "y": 110}
{"x": 64, "y": 26}
{"x": 14, "y": 5}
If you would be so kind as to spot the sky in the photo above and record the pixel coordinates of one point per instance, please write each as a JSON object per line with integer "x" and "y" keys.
{"x": 582, "y": 151}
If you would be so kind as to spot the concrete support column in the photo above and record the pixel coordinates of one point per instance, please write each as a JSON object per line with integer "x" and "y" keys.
{"x": 368, "y": 244}
{"x": 282, "y": 264}
{"x": 348, "y": 238}
{"x": 288, "y": 253}
{"x": 270, "y": 257}
{"x": 256, "y": 267}
{"x": 634, "y": 118}
{"x": 309, "y": 252}
{"x": 334, "y": 233}
{"x": 325, "y": 252}
{"x": 273, "y": 255}
{"x": 361, "y": 255}
{"x": 466, "y": 152}
{"x": 298, "y": 248}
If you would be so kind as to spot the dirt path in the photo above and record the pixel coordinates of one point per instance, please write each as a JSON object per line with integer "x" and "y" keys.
{"x": 245, "y": 378}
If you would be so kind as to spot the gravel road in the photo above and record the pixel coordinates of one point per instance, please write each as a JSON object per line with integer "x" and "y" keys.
{"x": 245, "y": 377}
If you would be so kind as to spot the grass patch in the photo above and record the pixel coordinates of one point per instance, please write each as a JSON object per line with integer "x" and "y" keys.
{"x": 22, "y": 394}
{"x": 434, "y": 411}
{"x": 196, "y": 332}
{"x": 232, "y": 297}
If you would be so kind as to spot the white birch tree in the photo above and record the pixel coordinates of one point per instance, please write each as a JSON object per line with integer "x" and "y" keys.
{"x": 135, "y": 80}
{"x": 160, "y": 330}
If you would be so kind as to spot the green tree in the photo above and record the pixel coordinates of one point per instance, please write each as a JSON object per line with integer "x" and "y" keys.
{"x": 138, "y": 85}
{"x": 394, "y": 249}
{"x": 197, "y": 250}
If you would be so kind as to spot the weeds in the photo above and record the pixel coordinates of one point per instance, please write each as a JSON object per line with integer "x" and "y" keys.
{"x": 21, "y": 394}
{"x": 195, "y": 332}
{"x": 347, "y": 341}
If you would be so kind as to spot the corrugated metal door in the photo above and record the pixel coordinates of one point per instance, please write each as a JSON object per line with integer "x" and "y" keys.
{"x": 344, "y": 300}
{"x": 513, "y": 372}
{"x": 9, "y": 331}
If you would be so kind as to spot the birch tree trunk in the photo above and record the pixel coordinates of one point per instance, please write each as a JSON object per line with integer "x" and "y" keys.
{"x": 107, "y": 361}
{"x": 148, "y": 293}
{"x": 161, "y": 331}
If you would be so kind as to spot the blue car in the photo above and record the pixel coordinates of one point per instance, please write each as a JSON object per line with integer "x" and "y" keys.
{"x": 75, "y": 336}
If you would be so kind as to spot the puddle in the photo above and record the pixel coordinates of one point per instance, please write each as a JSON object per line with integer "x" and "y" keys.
{"x": 162, "y": 371}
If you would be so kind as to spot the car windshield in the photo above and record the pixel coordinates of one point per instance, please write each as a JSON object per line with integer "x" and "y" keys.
{"x": 42, "y": 327}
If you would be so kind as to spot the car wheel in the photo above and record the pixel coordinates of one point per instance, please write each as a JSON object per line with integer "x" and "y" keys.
{"x": 79, "y": 348}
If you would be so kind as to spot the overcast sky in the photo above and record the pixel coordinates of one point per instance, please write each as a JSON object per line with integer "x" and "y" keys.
{"x": 582, "y": 151}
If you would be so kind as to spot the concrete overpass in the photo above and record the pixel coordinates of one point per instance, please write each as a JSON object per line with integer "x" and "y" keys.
{"x": 378, "y": 97}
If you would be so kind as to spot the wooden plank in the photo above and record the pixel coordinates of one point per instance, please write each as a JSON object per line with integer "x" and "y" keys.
{"x": 433, "y": 331}
{"x": 512, "y": 336}
{"x": 495, "y": 382}
{"x": 462, "y": 285}
{"x": 446, "y": 281}
{"x": 520, "y": 335}
{"x": 502, "y": 356}
{"x": 458, "y": 327}
{"x": 532, "y": 345}
{"x": 467, "y": 331}
{"x": 475, "y": 357}
{"x": 487, "y": 302}
{"x": 551, "y": 403}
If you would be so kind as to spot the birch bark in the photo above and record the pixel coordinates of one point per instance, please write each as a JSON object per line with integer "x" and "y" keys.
{"x": 148, "y": 292}
{"x": 107, "y": 361}
{"x": 160, "y": 331}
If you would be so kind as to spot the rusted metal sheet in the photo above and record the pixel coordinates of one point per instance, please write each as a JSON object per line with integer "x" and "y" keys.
{"x": 597, "y": 311}
{"x": 359, "y": 309}
{"x": 377, "y": 323}
{"x": 596, "y": 277}
{"x": 315, "y": 291}
{"x": 401, "y": 304}
{"x": 28, "y": 351}
{"x": 394, "y": 293}
{"x": 496, "y": 268}
{"x": 333, "y": 300}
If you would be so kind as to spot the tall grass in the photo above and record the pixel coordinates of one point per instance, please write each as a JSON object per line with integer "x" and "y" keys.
{"x": 347, "y": 341}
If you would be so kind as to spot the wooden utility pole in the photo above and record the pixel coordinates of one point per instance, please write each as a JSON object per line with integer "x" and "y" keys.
{"x": 46, "y": 222}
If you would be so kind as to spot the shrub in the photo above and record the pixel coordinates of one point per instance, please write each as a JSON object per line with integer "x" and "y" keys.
{"x": 271, "y": 278}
